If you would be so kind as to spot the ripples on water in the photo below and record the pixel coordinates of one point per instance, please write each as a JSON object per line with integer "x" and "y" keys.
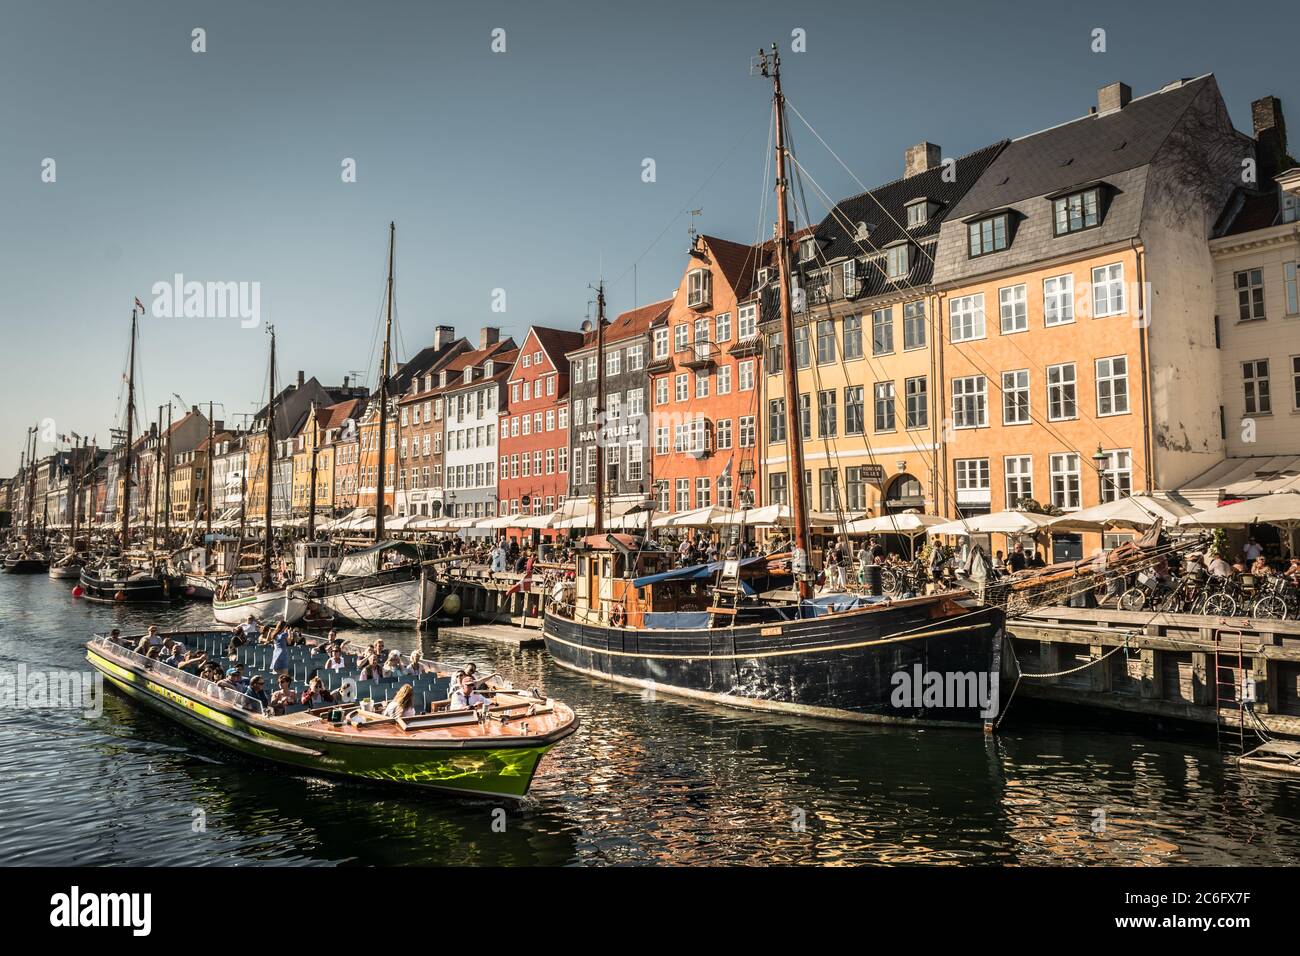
{"x": 643, "y": 781}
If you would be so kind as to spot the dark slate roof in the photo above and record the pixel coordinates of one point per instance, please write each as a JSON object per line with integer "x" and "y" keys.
{"x": 1248, "y": 210}
{"x": 883, "y": 211}
{"x": 1081, "y": 151}
{"x": 627, "y": 325}
{"x": 557, "y": 342}
{"x": 427, "y": 359}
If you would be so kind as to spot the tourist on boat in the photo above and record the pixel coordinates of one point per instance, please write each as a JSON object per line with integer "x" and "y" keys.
{"x": 316, "y": 695}
{"x": 256, "y": 689}
{"x": 402, "y": 704}
{"x": 250, "y": 628}
{"x": 336, "y": 661}
{"x": 280, "y": 656}
{"x": 284, "y": 697}
{"x": 372, "y": 670}
{"x": 416, "y": 667}
{"x": 234, "y": 679}
{"x": 393, "y": 666}
{"x": 465, "y": 697}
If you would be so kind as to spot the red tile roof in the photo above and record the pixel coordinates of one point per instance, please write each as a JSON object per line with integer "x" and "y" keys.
{"x": 628, "y": 324}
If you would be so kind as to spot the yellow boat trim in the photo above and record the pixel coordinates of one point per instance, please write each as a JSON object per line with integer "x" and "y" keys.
{"x": 208, "y": 713}
{"x": 787, "y": 652}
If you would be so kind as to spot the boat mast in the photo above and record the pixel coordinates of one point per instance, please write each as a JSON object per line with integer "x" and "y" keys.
{"x": 130, "y": 414}
{"x": 157, "y": 482}
{"x": 30, "y": 451}
{"x": 599, "y": 526}
{"x": 207, "y": 505}
{"x": 167, "y": 496}
{"x": 311, "y": 493}
{"x": 383, "y": 393}
{"x": 270, "y": 463}
{"x": 771, "y": 66}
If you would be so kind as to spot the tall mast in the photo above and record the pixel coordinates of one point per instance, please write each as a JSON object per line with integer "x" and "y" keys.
{"x": 270, "y": 465}
{"x": 167, "y": 496}
{"x": 31, "y": 480}
{"x": 771, "y": 66}
{"x": 207, "y": 504}
{"x": 130, "y": 415}
{"x": 311, "y": 493}
{"x": 599, "y": 525}
{"x": 383, "y": 393}
{"x": 157, "y": 481}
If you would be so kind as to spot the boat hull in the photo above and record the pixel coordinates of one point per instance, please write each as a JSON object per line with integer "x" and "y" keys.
{"x": 401, "y": 599}
{"x": 289, "y": 605}
{"x": 842, "y": 667}
{"x": 66, "y": 573}
{"x": 142, "y": 590}
{"x": 467, "y": 771}
{"x": 26, "y": 566}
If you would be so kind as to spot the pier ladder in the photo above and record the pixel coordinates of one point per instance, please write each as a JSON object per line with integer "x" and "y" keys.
{"x": 1230, "y": 691}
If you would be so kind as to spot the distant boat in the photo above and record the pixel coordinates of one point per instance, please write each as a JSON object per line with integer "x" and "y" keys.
{"x": 66, "y": 568}
{"x": 380, "y": 586}
{"x": 26, "y": 561}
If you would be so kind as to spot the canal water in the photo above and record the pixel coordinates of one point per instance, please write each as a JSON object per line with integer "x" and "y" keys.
{"x": 645, "y": 780}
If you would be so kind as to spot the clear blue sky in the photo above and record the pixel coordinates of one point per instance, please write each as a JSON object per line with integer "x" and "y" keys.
{"x": 519, "y": 170}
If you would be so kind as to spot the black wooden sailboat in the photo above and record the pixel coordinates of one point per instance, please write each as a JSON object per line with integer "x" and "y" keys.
{"x": 751, "y": 634}
{"x": 114, "y": 578}
{"x": 28, "y": 558}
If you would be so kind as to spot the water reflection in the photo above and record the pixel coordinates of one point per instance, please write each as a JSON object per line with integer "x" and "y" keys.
{"x": 645, "y": 780}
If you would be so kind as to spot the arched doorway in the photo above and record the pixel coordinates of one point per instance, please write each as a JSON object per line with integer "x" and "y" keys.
{"x": 904, "y": 492}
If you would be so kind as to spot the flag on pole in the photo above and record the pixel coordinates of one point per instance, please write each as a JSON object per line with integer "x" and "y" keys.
{"x": 138, "y": 304}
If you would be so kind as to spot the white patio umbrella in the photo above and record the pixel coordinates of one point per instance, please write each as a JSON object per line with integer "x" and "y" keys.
{"x": 1281, "y": 509}
{"x": 908, "y": 522}
{"x": 772, "y": 516}
{"x": 1135, "y": 511}
{"x": 998, "y": 522}
{"x": 700, "y": 517}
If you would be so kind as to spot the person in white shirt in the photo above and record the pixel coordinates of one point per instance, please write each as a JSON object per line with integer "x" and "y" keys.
{"x": 1253, "y": 549}
{"x": 336, "y": 661}
{"x": 402, "y": 704}
{"x": 250, "y": 628}
{"x": 1220, "y": 568}
{"x": 465, "y": 696}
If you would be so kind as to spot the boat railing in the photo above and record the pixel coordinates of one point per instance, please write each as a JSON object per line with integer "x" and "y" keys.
{"x": 184, "y": 678}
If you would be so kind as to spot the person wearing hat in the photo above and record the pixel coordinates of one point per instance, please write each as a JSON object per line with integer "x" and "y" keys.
{"x": 465, "y": 697}
{"x": 234, "y": 679}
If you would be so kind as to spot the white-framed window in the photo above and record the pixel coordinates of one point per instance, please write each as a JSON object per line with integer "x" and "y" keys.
{"x": 726, "y": 499}
{"x": 898, "y": 261}
{"x": 527, "y": 421}
{"x": 1108, "y": 290}
{"x": 635, "y": 402}
{"x": 972, "y": 481}
{"x": 661, "y": 391}
{"x": 748, "y": 433}
{"x": 778, "y": 490}
{"x": 966, "y": 317}
{"x": 699, "y": 288}
{"x": 1062, "y": 392}
{"x": 550, "y": 419}
{"x": 1019, "y": 471}
{"x": 1058, "y": 300}
{"x": 683, "y": 494}
{"x": 1015, "y": 397}
{"x": 1254, "y": 380}
{"x": 852, "y": 337}
{"x": 827, "y": 414}
{"x": 883, "y": 406}
{"x": 703, "y": 492}
{"x": 724, "y": 379}
{"x": 1116, "y": 475}
{"x": 882, "y": 331}
{"x": 1013, "y": 306}
{"x": 577, "y": 464}
{"x": 918, "y": 213}
{"x": 682, "y": 389}
{"x": 914, "y": 325}
{"x": 970, "y": 402}
{"x": 747, "y": 322}
{"x": 661, "y": 440}
{"x": 635, "y": 358}
{"x": 702, "y": 385}
{"x": 1112, "y": 385}
{"x": 854, "y": 412}
{"x": 1249, "y": 284}
{"x": 825, "y": 341}
{"x": 613, "y": 362}
{"x": 527, "y": 358}
{"x": 1064, "y": 475}
{"x": 849, "y": 272}
{"x": 681, "y": 337}
{"x": 746, "y": 375}
{"x": 635, "y": 460}
{"x": 917, "y": 398}
{"x": 1291, "y": 278}
{"x": 660, "y": 343}
{"x": 722, "y": 327}
{"x": 550, "y": 461}
{"x": 722, "y": 429}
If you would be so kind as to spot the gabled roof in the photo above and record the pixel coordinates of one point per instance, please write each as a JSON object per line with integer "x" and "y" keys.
{"x": 1084, "y": 150}
{"x": 556, "y": 343}
{"x": 503, "y": 352}
{"x": 626, "y": 325}
{"x": 333, "y": 416}
{"x": 428, "y": 359}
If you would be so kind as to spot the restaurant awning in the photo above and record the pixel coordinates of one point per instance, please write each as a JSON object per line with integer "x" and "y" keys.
{"x": 1244, "y": 477}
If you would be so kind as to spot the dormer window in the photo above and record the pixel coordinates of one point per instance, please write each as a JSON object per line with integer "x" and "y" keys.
{"x": 764, "y": 275}
{"x": 1291, "y": 207}
{"x": 989, "y": 235}
{"x": 918, "y": 213}
{"x": 898, "y": 261}
{"x": 487, "y": 368}
{"x": 807, "y": 250}
{"x": 468, "y": 375}
{"x": 699, "y": 288}
{"x": 1076, "y": 212}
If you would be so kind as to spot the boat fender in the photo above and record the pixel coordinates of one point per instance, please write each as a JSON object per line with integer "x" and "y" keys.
{"x": 119, "y": 596}
{"x": 77, "y": 591}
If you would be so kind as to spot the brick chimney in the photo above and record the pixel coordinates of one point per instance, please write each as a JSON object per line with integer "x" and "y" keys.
{"x": 1270, "y": 136}
{"x": 1113, "y": 97}
{"x": 345, "y": 381}
{"x": 443, "y": 335}
{"x": 301, "y": 378}
{"x": 919, "y": 158}
{"x": 488, "y": 336}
